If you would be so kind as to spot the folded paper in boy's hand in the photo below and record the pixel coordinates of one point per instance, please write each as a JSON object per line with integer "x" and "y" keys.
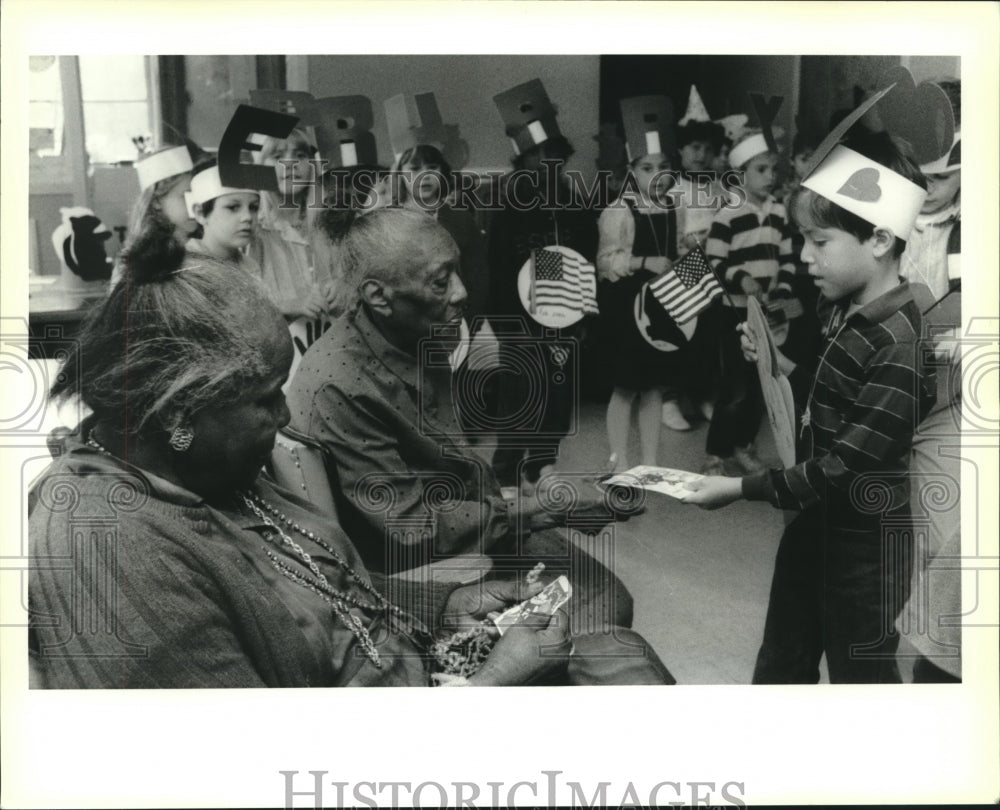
{"x": 657, "y": 479}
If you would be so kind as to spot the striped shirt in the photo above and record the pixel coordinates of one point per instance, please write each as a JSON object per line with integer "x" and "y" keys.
{"x": 870, "y": 392}
{"x": 752, "y": 240}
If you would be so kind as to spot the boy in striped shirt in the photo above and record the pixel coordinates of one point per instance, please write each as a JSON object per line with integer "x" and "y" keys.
{"x": 843, "y": 565}
{"x": 750, "y": 247}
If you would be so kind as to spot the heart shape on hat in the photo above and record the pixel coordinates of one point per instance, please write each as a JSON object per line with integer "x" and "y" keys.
{"x": 862, "y": 186}
{"x": 919, "y": 114}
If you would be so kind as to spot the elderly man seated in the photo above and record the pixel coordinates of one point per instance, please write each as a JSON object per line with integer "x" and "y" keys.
{"x": 376, "y": 391}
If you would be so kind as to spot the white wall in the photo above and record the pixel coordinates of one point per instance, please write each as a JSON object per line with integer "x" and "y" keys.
{"x": 464, "y": 87}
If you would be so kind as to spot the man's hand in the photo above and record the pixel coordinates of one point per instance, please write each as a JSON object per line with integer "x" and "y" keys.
{"x": 527, "y": 650}
{"x": 469, "y": 605}
{"x": 714, "y": 491}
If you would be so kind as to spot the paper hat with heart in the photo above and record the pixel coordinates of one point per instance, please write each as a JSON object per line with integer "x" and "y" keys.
{"x": 922, "y": 116}
{"x": 648, "y": 124}
{"x": 207, "y": 185}
{"x": 415, "y": 120}
{"x": 868, "y": 189}
{"x": 163, "y": 164}
{"x": 528, "y": 116}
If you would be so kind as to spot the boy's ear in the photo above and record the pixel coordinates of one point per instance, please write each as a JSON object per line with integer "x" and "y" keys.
{"x": 199, "y": 217}
{"x": 883, "y": 240}
{"x": 373, "y": 293}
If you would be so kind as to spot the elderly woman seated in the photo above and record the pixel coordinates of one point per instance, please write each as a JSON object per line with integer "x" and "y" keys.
{"x": 161, "y": 557}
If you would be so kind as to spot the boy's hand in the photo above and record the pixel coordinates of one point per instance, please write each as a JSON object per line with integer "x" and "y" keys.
{"x": 747, "y": 343}
{"x": 694, "y": 239}
{"x": 658, "y": 264}
{"x": 714, "y": 491}
{"x": 751, "y": 286}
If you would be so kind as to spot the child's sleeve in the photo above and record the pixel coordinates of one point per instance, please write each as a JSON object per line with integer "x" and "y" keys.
{"x": 616, "y": 235}
{"x": 720, "y": 237}
{"x": 879, "y": 425}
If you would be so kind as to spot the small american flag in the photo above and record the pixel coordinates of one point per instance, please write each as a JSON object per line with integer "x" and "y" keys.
{"x": 688, "y": 288}
{"x": 563, "y": 281}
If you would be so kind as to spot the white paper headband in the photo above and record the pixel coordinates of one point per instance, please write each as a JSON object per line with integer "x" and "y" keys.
{"x": 207, "y": 185}
{"x": 748, "y": 149}
{"x": 160, "y": 166}
{"x": 868, "y": 189}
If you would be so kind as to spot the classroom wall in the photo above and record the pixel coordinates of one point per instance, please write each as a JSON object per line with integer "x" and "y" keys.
{"x": 816, "y": 86}
{"x": 464, "y": 87}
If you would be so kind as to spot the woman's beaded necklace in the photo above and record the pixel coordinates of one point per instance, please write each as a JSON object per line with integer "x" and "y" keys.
{"x": 462, "y": 653}
{"x": 319, "y": 584}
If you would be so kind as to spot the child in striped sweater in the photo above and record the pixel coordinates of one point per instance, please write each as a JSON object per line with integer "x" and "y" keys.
{"x": 750, "y": 247}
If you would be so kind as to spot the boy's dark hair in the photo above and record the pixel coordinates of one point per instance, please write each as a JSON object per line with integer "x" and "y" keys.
{"x": 884, "y": 150}
{"x": 708, "y": 131}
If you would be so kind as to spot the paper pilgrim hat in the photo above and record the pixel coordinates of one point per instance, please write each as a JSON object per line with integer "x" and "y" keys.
{"x": 415, "y": 120}
{"x": 648, "y": 125}
{"x": 528, "y": 116}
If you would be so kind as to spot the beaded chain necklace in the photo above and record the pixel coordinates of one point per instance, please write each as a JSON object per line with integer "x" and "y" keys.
{"x": 460, "y": 654}
{"x": 340, "y": 602}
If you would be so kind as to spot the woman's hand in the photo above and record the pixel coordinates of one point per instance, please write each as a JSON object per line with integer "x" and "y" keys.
{"x": 526, "y": 651}
{"x": 714, "y": 491}
{"x": 469, "y": 605}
